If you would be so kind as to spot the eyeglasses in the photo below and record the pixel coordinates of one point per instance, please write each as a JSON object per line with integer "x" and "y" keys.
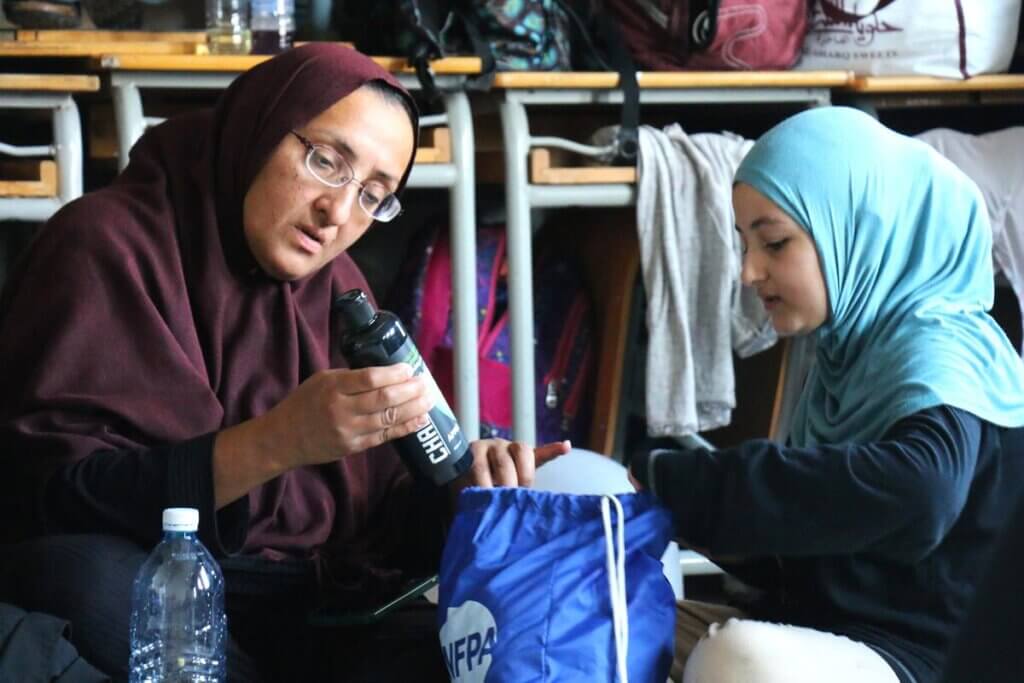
{"x": 330, "y": 168}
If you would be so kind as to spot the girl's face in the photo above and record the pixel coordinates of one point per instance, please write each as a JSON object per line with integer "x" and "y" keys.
{"x": 781, "y": 262}
{"x": 293, "y": 223}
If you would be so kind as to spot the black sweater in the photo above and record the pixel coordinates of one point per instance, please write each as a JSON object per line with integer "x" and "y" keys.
{"x": 882, "y": 542}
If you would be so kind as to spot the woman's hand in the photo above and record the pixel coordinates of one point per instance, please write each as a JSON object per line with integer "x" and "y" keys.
{"x": 336, "y": 413}
{"x": 497, "y": 462}
{"x": 332, "y": 414}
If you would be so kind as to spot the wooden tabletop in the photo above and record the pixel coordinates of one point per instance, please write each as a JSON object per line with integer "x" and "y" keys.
{"x": 927, "y": 84}
{"x": 840, "y": 80}
{"x": 185, "y": 51}
{"x": 14, "y": 48}
{"x": 238, "y": 63}
{"x": 674, "y": 79}
{"x": 90, "y": 36}
{"x": 83, "y": 43}
{"x": 49, "y": 83}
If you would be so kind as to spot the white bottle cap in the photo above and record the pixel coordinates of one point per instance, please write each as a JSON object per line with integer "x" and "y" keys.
{"x": 181, "y": 519}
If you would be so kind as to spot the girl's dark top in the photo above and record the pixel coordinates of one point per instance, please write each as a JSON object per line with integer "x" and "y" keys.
{"x": 138, "y": 325}
{"x": 882, "y": 542}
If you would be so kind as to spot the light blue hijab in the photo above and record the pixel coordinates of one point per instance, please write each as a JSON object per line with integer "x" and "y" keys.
{"x": 905, "y": 248}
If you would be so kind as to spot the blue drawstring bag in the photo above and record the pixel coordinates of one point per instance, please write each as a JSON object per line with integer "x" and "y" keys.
{"x": 540, "y": 586}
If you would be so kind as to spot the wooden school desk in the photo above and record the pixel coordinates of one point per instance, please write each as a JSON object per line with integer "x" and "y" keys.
{"x": 59, "y": 178}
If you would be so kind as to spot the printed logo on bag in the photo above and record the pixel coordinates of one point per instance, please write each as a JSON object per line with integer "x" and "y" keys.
{"x": 467, "y": 638}
{"x": 849, "y": 22}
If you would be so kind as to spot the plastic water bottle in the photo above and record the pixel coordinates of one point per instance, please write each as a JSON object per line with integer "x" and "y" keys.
{"x": 178, "y": 625}
{"x": 273, "y": 26}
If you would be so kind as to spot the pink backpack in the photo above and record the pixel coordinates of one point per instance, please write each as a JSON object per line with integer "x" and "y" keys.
{"x": 563, "y": 328}
{"x": 670, "y": 35}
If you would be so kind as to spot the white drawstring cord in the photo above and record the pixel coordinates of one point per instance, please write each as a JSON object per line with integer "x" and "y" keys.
{"x": 617, "y": 581}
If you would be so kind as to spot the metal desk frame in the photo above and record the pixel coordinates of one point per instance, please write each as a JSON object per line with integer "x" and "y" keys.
{"x": 521, "y": 195}
{"x": 459, "y": 176}
{"x": 66, "y": 150}
{"x": 873, "y": 94}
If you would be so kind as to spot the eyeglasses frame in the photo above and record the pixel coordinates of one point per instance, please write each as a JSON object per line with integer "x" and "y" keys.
{"x": 311, "y": 147}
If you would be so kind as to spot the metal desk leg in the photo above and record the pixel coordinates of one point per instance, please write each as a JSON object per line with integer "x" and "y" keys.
{"x": 463, "y": 245}
{"x": 66, "y": 149}
{"x": 128, "y": 114}
{"x": 516, "y": 132}
{"x": 67, "y": 139}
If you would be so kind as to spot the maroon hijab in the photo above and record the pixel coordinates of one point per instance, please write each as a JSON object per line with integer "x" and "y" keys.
{"x": 139, "y": 317}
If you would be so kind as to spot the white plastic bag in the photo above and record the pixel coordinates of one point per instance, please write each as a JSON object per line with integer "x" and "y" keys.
{"x": 948, "y": 38}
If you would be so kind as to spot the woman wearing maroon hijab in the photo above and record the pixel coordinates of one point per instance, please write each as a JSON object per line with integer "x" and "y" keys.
{"x": 166, "y": 341}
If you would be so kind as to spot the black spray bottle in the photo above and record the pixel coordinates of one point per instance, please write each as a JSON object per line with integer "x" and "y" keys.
{"x": 438, "y": 451}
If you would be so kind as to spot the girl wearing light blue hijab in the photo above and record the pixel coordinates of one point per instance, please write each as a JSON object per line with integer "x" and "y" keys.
{"x": 904, "y": 244}
{"x": 906, "y": 448}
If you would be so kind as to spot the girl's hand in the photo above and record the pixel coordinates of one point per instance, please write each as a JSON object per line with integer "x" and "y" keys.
{"x": 497, "y": 462}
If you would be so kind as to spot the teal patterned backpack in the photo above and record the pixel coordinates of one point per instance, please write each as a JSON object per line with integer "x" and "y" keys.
{"x": 510, "y": 35}
{"x": 524, "y": 35}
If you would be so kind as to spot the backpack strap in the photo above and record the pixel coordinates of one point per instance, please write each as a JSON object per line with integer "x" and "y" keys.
{"x": 436, "y": 305}
{"x": 627, "y": 142}
{"x": 490, "y": 328}
{"x": 482, "y": 49}
{"x": 429, "y": 19}
{"x": 613, "y": 55}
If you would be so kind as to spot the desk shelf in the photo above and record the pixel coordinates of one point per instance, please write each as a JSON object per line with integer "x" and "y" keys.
{"x": 59, "y": 83}
{"x": 543, "y": 171}
{"x": 435, "y": 146}
{"x": 30, "y": 179}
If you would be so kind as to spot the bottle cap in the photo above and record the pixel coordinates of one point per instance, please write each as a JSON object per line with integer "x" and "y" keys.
{"x": 355, "y": 309}
{"x": 181, "y": 519}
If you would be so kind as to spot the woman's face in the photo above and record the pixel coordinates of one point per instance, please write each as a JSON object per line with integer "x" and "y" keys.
{"x": 293, "y": 223}
{"x": 781, "y": 262}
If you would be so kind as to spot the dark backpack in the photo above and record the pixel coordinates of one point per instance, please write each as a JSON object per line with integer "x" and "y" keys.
{"x": 563, "y": 328}
{"x": 507, "y": 36}
{"x": 536, "y": 35}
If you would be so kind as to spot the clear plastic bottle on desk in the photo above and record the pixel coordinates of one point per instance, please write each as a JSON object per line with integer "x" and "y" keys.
{"x": 178, "y": 627}
{"x": 273, "y": 26}
{"x": 227, "y": 27}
